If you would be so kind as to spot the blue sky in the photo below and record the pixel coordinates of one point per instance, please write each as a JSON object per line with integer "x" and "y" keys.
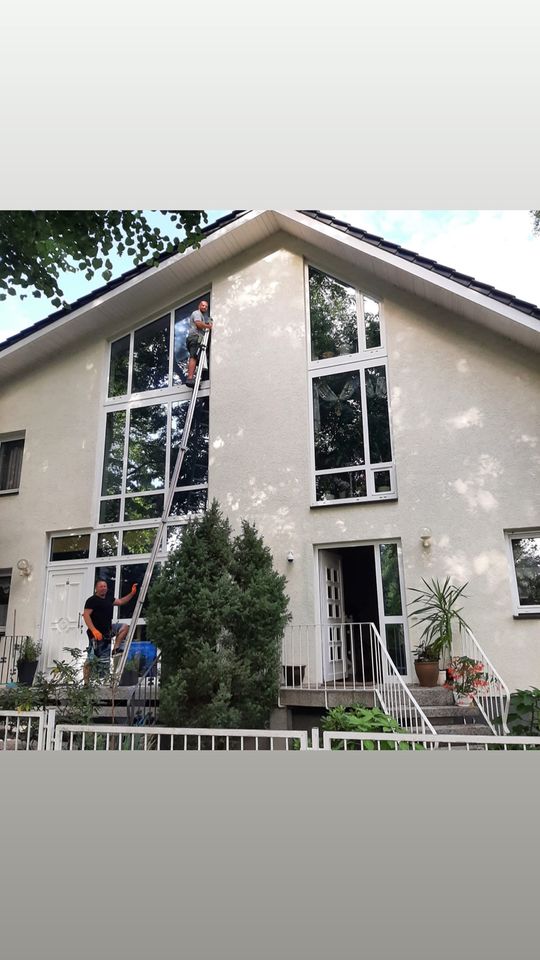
{"x": 495, "y": 246}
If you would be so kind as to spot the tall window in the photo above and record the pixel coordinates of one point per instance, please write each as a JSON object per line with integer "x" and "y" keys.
{"x": 5, "y": 584}
{"x": 145, "y": 414}
{"x": 11, "y": 456}
{"x": 524, "y": 552}
{"x": 352, "y": 444}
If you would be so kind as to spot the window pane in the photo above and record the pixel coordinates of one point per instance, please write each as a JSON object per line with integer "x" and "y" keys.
{"x": 372, "y": 323}
{"x": 134, "y": 573}
{"x": 151, "y": 356}
{"x": 143, "y": 508}
{"x": 138, "y": 541}
{"x": 11, "y": 455}
{"x": 119, "y": 367}
{"x": 390, "y": 579}
{"x": 527, "y": 563}
{"x": 333, "y": 316}
{"x": 337, "y": 416}
{"x": 107, "y": 544}
{"x": 341, "y": 486}
{"x": 189, "y": 503}
{"x": 395, "y": 644}
{"x": 383, "y": 482}
{"x": 109, "y": 511}
{"x": 109, "y": 575}
{"x": 195, "y": 466}
{"x": 113, "y": 457}
{"x": 70, "y": 548}
{"x": 5, "y": 584}
{"x": 181, "y": 327}
{"x": 377, "y": 414}
{"x": 146, "y": 454}
{"x": 174, "y": 537}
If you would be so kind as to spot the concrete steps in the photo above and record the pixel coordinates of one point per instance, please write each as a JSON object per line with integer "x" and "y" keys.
{"x": 447, "y": 718}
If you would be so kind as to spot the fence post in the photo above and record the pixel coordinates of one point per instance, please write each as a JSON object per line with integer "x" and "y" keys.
{"x": 315, "y": 738}
{"x": 50, "y": 723}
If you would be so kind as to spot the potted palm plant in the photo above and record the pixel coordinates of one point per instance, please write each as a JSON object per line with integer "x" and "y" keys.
{"x": 435, "y": 607}
{"x": 28, "y": 661}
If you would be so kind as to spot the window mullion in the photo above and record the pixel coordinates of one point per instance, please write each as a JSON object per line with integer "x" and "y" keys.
{"x": 367, "y": 457}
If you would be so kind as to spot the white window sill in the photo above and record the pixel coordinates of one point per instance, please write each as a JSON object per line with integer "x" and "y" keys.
{"x": 6, "y": 493}
{"x": 530, "y": 615}
{"x": 355, "y": 500}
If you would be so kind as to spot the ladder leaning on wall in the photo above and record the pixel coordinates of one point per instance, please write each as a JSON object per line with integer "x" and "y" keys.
{"x": 120, "y": 662}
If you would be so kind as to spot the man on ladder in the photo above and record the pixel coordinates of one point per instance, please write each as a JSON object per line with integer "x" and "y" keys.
{"x": 199, "y": 321}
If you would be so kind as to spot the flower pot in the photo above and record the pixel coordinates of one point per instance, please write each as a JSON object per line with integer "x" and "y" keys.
{"x": 463, "y": 699}
{"x": 26, "y": 671}
{"x": 427, "y": 672}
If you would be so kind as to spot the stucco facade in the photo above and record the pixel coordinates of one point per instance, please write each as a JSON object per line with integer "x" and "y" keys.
{"x": 465, "y": 423}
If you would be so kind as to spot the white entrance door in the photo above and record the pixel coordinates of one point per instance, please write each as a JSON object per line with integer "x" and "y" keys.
{"x": 64, "y": 626}
{"x": 332, "y": 616}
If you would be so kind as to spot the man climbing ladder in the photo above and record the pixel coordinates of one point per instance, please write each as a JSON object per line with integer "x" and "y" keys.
{"x": 120, "y": 662}
{"x": 199, "y": 321}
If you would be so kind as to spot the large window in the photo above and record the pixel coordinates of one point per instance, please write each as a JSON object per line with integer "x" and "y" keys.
{"x": 11, "y": 457}
{"x": 5, "y": 585}
{"x": 352, "y": 444}
{"x": 146, "y": 409}
{"x": 524, "y": 553}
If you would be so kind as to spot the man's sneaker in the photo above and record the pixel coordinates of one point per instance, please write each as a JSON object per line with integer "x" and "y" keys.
{"x": 190, "y": 382}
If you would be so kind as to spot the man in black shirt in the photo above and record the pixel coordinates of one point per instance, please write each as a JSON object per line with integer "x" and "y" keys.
{"x": 97, "y": 615}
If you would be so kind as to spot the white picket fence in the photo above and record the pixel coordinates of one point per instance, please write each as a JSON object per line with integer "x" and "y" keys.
{"x": 37, "y": 730}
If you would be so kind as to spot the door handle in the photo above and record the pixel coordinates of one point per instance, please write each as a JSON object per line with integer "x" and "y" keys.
{"x": 79, "y": 627}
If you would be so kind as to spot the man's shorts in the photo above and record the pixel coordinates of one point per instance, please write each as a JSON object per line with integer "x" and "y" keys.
{"x": 193, "y": 343}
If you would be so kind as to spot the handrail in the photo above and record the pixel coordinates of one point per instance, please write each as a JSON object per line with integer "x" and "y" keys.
{"x": 393, "y": 693}
{"x": 494, "y": 701}
{"x": 148, "y": 696}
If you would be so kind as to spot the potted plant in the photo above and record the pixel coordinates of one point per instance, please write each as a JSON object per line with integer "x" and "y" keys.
{"x": 132, "y": 671}
{"x": 465, "y": 678}
{"x": 426, "y": 664}
{"x": 436, "y": 607}
{"x": 28, "y": 661}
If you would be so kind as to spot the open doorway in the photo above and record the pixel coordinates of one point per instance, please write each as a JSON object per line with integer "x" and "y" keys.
{"x": 361, "y": 585}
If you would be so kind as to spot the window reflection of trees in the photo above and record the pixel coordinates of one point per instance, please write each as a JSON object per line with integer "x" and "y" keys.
{"x": 337, "y": 409}
{"x": 390, "y": 579}
{"x": 113, "y": 459}
{"x": 527, "y": 563}
{"x": 151, "y": 356}
{"x": 377, "y": 413}
{"x": 372, "y": 323}
{"x": 333, "y": 316}
{"x": 195, "y": 465}
{"x": 147, "y": 445}
{"x": 119, "y": 367}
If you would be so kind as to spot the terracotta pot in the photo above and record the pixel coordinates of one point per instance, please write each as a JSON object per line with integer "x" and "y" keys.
{"x": 463, "y": 699}
{"x": 427, "y": 672}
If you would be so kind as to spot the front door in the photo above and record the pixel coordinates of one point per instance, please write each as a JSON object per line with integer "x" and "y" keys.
{"x": 64, "y": 626}
{"x": 332, "y": 620}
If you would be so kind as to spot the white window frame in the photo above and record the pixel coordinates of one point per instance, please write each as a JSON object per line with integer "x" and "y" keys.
{"x": 363, "y": 353}
{"x": 369, "y": 468}
{"x": 519, "y": 609}
{"x": 10, "y": 438}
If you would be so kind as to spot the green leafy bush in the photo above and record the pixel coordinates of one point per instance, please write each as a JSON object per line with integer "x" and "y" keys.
{"x": 359, "y": 719}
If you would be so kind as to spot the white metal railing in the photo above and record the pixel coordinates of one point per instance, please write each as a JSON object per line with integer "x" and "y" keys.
{"x": 493, "y": 701}
{"x": 117, "y": 738}
{"x": 349, "y": 656}
{"x": 405, "y": 741}
{"x": 22, "y": 730}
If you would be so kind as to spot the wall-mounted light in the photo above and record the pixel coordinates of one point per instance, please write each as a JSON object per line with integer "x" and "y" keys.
{"x": 290, "y": 556}
{"x": 425, "y": 537}
{"x": 24, "y": 567}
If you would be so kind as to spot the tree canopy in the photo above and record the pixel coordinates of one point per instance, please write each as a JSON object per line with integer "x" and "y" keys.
{"x": 36, "y": 246}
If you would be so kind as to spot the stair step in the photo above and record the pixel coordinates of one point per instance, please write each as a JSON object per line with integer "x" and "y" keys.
{"x": 431, "y": 696}
{"x": 459, "y": 730}
{"x": 451, "y": 712}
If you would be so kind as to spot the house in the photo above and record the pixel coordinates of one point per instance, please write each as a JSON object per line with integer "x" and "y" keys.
{"x": 376, "y": 414}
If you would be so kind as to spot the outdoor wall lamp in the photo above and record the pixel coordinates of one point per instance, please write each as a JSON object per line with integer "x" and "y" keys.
{"x": 425, "y": 537}
{"x": 24, "y": 568}
{"x": 290, "y": 556}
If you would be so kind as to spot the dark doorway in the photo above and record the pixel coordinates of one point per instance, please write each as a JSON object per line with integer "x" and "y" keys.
{"x": 360, "y": 606}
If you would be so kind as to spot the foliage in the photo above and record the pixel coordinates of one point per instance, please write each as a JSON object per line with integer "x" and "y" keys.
{"x": 436, "y": 607}
{"x": 426, "y": 652}
{"x": 37, "y": 245}
{"x": 359, "y": 719}
{"x": 30, "y": 650}
{"x": 536, "y": 221}
{"x": 524, "y": 713}
{"x": 466, "y": 676}
{"x": 217, "y": 612}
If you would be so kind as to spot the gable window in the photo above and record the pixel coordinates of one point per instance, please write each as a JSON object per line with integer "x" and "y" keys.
{"x": 343, "y": 321}
{"x": 524, "y": 553}
{"x": 11, "y": 457}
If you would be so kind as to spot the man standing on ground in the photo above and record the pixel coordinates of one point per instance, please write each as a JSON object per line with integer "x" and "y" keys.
{"x": 97, "y": 615}
{"x": 199, "y": 321}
